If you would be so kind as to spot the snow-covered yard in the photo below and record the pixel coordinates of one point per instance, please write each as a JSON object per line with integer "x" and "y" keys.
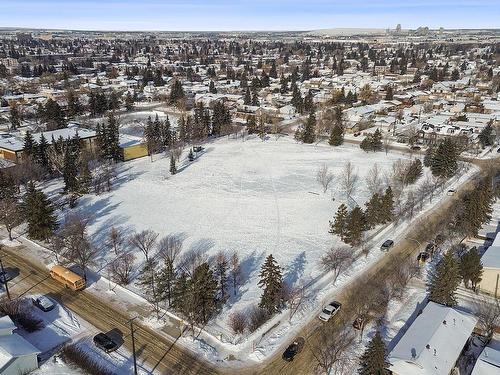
{"x": 252, "y": 197}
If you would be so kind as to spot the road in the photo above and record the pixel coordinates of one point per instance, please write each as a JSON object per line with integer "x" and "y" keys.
{"x": 154, "y": 349}
{"x": 425, "y": 229}
{"x": 162, "y": 355}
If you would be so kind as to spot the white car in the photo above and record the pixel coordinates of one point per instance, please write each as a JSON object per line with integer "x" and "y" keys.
{"x": 330, "y": 310}
{"x": 43, "y": 303}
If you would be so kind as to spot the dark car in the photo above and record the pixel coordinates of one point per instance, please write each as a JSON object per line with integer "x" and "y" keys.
{"x": 387, "y": 245}
{"x": 6, "y": 275}
{"x": 105, "y": 343}
{"x": 293, "y": 349}
{"x": 422, "y": 257}
{"x": 415, "y": 148}
{"x": 43, "y": 303}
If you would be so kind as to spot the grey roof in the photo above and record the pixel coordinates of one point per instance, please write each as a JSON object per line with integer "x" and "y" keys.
{"x": 433, "y": 342}
{"x": 491, "y": 257}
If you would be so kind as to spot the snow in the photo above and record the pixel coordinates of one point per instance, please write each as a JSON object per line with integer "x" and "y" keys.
{"x": 251, "y": 197}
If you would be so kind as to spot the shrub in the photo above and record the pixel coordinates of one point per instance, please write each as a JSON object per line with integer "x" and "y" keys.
{"x": 238, "y": 322}
{"x": 257, "y": 316}
{"x": 76, "y": 356}
{"x": 20, "y": 313}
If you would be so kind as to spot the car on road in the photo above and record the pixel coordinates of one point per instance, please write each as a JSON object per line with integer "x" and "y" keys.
{"x": 387, "y": 245}
{"x": 357, "y": 134}
{"x": 451, "y": 192}
{"x": 105, "y": 343}
{"x": 293, "y": 349}
{"x": 44, "y": 303}
{"x": 330, "y": 310}
{"x": 415, "y": 148}
{"x": 7, "y": 275}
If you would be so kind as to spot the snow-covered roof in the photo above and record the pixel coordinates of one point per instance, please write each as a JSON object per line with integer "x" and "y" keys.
{"x": 488, "y": 362}
{"x": 433, "y": 342}
{"x": 6, "y": 325}
{"x": 491, "y": 257}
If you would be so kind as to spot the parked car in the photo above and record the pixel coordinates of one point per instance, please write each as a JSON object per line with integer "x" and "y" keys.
{"x": 423, "y": 256}
{"x": 293, "y": 349}
{"x": 357, "y": 134}
{"x": 451, "y": 192}
{"x": 198, "y": 148}
{"x": 7, "y": 275}
{"x": 415, "y": 148}
{"x": 105, "y": 343}
{"x": 387, "y": 245}
{"x": 331, "y": 310}
{"x": 43, "y": 303}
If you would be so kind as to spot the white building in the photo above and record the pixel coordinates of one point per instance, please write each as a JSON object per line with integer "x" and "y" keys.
{"x": 488, "y": 362}
{"x": 433, "y": 343}
{"x": 17, "y": 356}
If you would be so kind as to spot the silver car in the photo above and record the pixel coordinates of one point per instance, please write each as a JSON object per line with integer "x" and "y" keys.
{"x": 330, "y": 310}
{"x": 43, "y": 303}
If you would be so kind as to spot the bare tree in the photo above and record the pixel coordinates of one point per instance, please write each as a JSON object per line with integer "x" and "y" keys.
{"x": 238, "y": 322}
{"x": 337, "y": 260}
{"x": 10, "y": 214}
{"x": 121, "y": 268}
{"x": 169, "y": 248}
{"x": 333, "y": 352}
{"x": 296, "y": 298}
{"x": 324, "y": 177}
{"x": 115, "y": 240}
{"x": 144, "y": 241}
{"x": 349, "y": 179}
{"x": 487, "y": 311}
{"x": 77, "y": 244}
{"x": 402, "y": 273}
{"x": 374, "y": 180}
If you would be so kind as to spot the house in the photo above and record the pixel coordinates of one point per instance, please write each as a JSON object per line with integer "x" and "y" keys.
{"x": 11, "y": 147}
{"x": 488, "y": 362}
{"x": 490, "y": 282}
{"x": 17, "y": 356}
{"x": 433, "y": 343}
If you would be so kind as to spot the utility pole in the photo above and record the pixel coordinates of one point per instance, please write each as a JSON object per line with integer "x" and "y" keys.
{"x": 133, "y": 344}
{"x": 4, "y": 276}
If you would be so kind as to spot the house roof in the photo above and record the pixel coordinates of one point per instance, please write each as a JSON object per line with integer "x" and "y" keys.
{"x": 491, "y": 257}
{"x": 432, "y": 344}
{"x": 488, "y": 362}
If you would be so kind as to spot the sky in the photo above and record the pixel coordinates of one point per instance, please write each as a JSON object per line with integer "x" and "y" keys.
{"x": 224, "y": 15}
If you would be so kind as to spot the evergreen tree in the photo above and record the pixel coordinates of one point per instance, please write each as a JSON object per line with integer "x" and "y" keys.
{"x": 39, "y": 212}
{"x": 112, "y": 139}
{"x": 414, "y": 172}
{"x": 30, "y": 145}
{"x": 41, "y": 153}
{"x": 445, "y": 280}
{"x": 374, "y": 359}
{"x": 15, "y": 117}
{"x": 339, "y": 224}
{"x": 248, "y": 97}
{"x": 444, "y": 162}
{"x": 389, "y": 93}
{"x": 203, "y": 289}
{"x": 471, "y": 268}
{"x": 336, "y": 136}
{"x": 272, "y": 282}
{"x": 374, "y": 211}
{"x": 387, "y": 211}
{"x": 129, "y": 101}
{"x": 377, "y": 140}
{"x": 180, "y": 293}
{"x": 173, "y": 168}
{"x": 148, "y": 282}
{"x": 74, "y": 107}
{"x": 176, "y": 93}
{"x": 429, "y": 155}
{"x": 309, "y": 133}
{"x": 486, "y": 137}
{"x": 355, "y": 226}
{"x": 212, "y": 88}
{"x": 251, "y": 125}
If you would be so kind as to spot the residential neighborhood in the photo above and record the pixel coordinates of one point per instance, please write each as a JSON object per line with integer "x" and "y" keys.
{"x": 318, "y": 201}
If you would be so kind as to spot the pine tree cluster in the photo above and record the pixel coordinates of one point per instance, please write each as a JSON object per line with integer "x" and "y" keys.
{"x": 372, "y": 142}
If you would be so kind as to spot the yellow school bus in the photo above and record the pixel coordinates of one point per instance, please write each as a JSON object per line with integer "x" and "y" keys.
{"x": 68, "y": 278}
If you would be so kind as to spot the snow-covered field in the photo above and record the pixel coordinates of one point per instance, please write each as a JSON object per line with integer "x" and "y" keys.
{"x": 252, "y": 197}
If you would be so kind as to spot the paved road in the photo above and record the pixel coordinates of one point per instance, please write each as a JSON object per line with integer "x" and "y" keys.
{"x": 152, "y": 348}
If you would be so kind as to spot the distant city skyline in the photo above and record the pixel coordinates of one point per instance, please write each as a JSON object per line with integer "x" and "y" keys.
{"x": 228, "y": 15}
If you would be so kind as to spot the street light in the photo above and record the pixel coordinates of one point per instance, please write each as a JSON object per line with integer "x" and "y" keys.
{"x": 133, "y": 343}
